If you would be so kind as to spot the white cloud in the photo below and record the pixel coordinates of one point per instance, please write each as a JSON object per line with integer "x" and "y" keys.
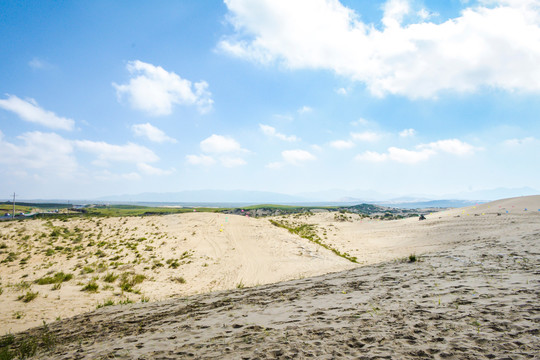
{"x": 204, "y": 160}
{"x": 29, "y": 110}
{"x": 422, "y": 153}
{"x": 38, "y": 64}
{"x": 284, "y": 117}
{"x": 107, "y": 153}
{"x": 398, "y": 155}
{"x": 152, "y": 133}
{"x": 342, "y": 144}
{"x": 220, "y": 144}
{"x": 407, "y": 133}
{"x": 493, "y": 44}
{"x": 271, "y": 131}
{"x": 342, "y": 91}
{"x": 371, "y": 156}
{"x": 223, "y": 148}
{"x": 394, "y": 11}
{"x": 48, "y": 152}
{"x": 275, "y": 165}
{"x": 154, "y": 90}
{"x": 451, "y": 146}
{"x": 230, "y": 162}
{"x": 305, "y": 109}
{"x": 297, "y": 157}
{"x": 367, "y": 136}
{"x": 151, "y": 170}
{"x": 105, "y": 175}
{"x": 360, "y": 122}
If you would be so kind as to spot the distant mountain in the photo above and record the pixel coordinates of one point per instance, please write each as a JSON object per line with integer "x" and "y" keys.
{"x": 208, "y": 196}
{"x": 494, "y": 194}
{"x": 326, "y": 197}
{"x": 340, "y": 195}
{"x": 428, "y": 204}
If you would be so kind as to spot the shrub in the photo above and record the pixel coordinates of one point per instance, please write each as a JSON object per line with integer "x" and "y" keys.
{"x": 106, "y": 303}
{"x": 91, "y": 287}
{"x": 412, "y": 258}
{"x": 29, "y": 296}
{"x": 179, "y": 280}
{"x": 58, "y": 278}
{"x": 110, "y": 277}
{"x": 128, "y": 281}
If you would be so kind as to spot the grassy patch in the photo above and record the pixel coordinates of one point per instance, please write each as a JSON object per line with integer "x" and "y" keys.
{"x": 109, "y": 302}
{"x": 29, "y": 296}
{"x": 308, "y": 232}
{"x": 110, "y": 277}
{"x": 58, "y": 278}
{"x": 179, "y": 279}
{"x": 129, "y": 280}
{"x": 92, "y": 286}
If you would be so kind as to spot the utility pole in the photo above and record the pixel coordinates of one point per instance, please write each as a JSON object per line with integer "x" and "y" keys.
{"x": 13, "y": 214}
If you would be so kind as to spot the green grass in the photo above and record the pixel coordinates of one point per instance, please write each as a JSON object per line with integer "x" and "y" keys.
{"x": 105, "y": 303}
{"x": 29, "y": 296}
{"x": 110, "y": 277}
{"x": 92, "y": 286}
{"x": 128, "y": 281}
{"x": 58, "y": 278}
{"x": 308, "y": 232}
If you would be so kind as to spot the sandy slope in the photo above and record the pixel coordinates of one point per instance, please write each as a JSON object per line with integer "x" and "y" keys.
{"x": 470, "y": 249}
{"x": 477, "y": 298}
{"x": 212, "y": 252}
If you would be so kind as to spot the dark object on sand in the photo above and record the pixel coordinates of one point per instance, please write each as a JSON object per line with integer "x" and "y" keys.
{"x": 422, "y": 217}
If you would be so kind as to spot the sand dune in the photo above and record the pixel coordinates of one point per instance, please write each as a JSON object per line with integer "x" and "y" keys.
{"x": 473, "y": 293}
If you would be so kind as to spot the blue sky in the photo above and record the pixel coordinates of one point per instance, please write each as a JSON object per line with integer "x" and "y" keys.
{"x": 403, "y": 97}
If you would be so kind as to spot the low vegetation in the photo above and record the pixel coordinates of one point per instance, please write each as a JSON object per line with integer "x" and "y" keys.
{"x": 308, "y": 232}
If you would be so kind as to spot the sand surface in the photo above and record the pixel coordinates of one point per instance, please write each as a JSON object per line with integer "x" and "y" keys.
{"x": 473, "y": 293}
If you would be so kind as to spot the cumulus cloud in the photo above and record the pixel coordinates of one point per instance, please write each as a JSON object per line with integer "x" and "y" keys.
{"x": 271, "y": 131}
{"x": 368, "y": 136}
{"x": 204, "y": 160}
{"x": 29, "y": 110}
{"x": 152, "y": 133}
{"x": 360, "y": 122}
{"x": 48, "y": 152}
{"x": 305, "y": 109}
{"x": 398, "y": 155}
{"x": 108, "y": 153}
{"x": 292, "y": 157}
{"x": 342, "y": 144}
{"x": 407, "y": 133}
{"x": 220, "y": 144}
{"x": 451, "y": 146}
{"x": 155, "y": 91}
{"x": 494, "y": 44}
{"x": 220, "y": 148}
{"x": 297, "y": 157}
{"x": 230, "y": 162}
{"x": 151, "y": 170}
{"x": 422, "y": 153}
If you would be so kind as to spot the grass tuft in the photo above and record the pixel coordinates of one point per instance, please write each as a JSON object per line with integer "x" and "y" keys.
{"x": 29, "y": 296}
{"x": 92, "y": 286}
{"x": 58, "y": 278}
